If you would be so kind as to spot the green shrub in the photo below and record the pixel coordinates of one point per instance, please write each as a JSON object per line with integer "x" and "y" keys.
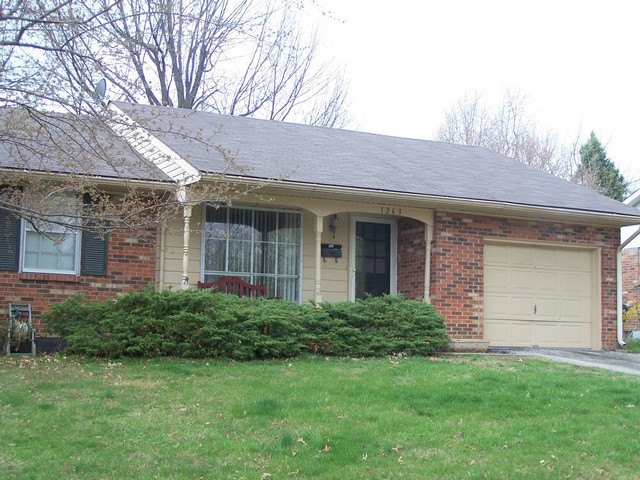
{"x": 631, "y": 317}
{"x": 196, "y": 324}
{"x": 633, "y": 345}
{"x": 379, "y": 326}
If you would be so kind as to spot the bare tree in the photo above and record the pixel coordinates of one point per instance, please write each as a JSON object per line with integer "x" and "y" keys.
{"x": 74, "y": 172}
{"x": 232, "y": 57}
{"x": 241, "y": 57}
{"x": 509, "y": 130}
{"x": 467, "y": 122}
{"x": 24, "y": 46}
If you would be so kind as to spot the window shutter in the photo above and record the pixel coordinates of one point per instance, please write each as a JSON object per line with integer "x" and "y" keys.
{"x": 93, "y": 255}
{"x": 9, "y": 241}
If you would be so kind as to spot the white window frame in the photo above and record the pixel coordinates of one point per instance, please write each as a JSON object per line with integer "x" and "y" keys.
{"x": 203, "y": 239}
{"x": 67, "y": 230}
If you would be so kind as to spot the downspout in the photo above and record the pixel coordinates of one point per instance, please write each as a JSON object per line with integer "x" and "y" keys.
{"x": 428, "y": 236}
{"x": 619, "y": 319}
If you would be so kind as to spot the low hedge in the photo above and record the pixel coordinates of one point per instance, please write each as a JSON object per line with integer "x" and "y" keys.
{"x": 197, "y": 324}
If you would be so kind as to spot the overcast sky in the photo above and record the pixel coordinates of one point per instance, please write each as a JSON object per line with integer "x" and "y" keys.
{"x": 408, "y": 61}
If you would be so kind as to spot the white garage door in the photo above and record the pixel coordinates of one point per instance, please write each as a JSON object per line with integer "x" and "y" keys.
{"x": 538, "y": 295}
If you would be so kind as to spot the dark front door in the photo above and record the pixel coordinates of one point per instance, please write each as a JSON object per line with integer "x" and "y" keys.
{"x": 373, "y": 259}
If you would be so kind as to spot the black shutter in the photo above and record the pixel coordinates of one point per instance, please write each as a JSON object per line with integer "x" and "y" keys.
{"x": 93, "y": 255}
{"x": 9, "y": 241}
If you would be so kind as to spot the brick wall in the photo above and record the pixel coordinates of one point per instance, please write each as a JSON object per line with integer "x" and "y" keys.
{"x": 457, "y": 266}
{"x": 630, "y": 276}
{"x": 411, "y": 258}
{"x": 131, "y": 265}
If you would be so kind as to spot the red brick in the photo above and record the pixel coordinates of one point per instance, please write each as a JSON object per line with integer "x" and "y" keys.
{"x": 457, "y": 276}
{"x": 123, "y": 275}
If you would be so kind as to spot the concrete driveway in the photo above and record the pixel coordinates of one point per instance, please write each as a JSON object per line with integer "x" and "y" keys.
{"x": 614, "y": 361}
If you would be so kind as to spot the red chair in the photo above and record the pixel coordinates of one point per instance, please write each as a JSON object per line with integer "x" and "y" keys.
{"x": 235, "y": 286}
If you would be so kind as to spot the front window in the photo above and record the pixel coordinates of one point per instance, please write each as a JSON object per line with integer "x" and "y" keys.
{"x": 51, "y": 246}
{"x": 260, "y": 246}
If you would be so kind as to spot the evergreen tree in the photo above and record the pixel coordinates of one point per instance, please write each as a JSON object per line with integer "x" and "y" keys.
{"x": 598, "y": 172}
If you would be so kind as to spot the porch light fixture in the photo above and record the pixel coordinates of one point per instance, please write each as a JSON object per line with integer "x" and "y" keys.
{"x": 333, "y": 224}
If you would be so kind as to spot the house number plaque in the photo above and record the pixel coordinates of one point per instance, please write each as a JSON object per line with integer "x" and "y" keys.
{"x": 387, "y": 210}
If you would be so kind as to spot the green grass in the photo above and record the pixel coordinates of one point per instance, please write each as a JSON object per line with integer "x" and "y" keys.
{"x": 412, "y": 418}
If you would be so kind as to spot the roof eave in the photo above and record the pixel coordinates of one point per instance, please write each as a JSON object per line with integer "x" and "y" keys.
{"x": 99, "y": 179}
{"x": 471, "y": 205}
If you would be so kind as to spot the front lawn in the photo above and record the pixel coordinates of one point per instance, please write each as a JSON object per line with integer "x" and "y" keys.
{"x": 451, "y": 417}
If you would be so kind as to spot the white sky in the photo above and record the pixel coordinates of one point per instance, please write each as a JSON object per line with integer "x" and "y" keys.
{"x": 408, "y": 61}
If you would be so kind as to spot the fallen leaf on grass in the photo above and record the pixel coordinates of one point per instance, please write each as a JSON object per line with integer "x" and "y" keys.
{"x": 326, "y": 448}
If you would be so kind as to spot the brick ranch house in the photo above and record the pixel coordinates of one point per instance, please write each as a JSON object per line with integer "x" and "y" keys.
{"x": 509, "y": 255}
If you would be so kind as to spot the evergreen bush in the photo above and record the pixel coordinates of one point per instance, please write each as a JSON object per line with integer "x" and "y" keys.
{"x": 197, "y": 324}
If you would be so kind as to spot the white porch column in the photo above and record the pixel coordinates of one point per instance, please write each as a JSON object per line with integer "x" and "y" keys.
{"x": 185, "y": 247}
{"x": 318, "y": 272}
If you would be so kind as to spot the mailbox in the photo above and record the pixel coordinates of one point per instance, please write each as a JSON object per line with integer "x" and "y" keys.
{"x": 331, "y": 250}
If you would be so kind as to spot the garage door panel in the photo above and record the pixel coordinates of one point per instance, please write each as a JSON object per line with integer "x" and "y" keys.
{"x": 522, "y": 280}
{"x": 575, "y": 310}
{"x": 544, "y": 334}
{"x": 497, "y": 280}
{"x": 497, "y": 306}
{"x": 576, "y": 260}
{"x": 546, "y": 309}
{"x": 495, "y": 255}
{"x": 518, "y": 255}
{"x": 521, "y": 332}
{"x": 546, "y": 257}
{"x": 547, "y": 334}
{"x": 576, "y": 284}
{"x": 538, "y": 295}
{"x": 564, "y": 334}
{"x": 575, "y": 335}
{"x": 521, "y": 307}
{"x": 498, "y": 331}
{"x": 502, "y": 278}
{"x": 547, "y": 281}
{"x": 509, "y": 333}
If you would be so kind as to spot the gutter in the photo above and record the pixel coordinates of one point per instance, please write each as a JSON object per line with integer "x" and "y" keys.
{"x": 619, "y": 319}
{"x": 436, "y": 201}
{"x": 101, "y": 180}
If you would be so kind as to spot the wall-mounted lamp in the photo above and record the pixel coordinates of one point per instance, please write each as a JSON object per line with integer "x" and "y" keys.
{"x": 333, "y": 224}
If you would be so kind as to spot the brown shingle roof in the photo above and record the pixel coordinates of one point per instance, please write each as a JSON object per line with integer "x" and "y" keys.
{"x": 334, "y": 157}
{"x": 68, "y": 144}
